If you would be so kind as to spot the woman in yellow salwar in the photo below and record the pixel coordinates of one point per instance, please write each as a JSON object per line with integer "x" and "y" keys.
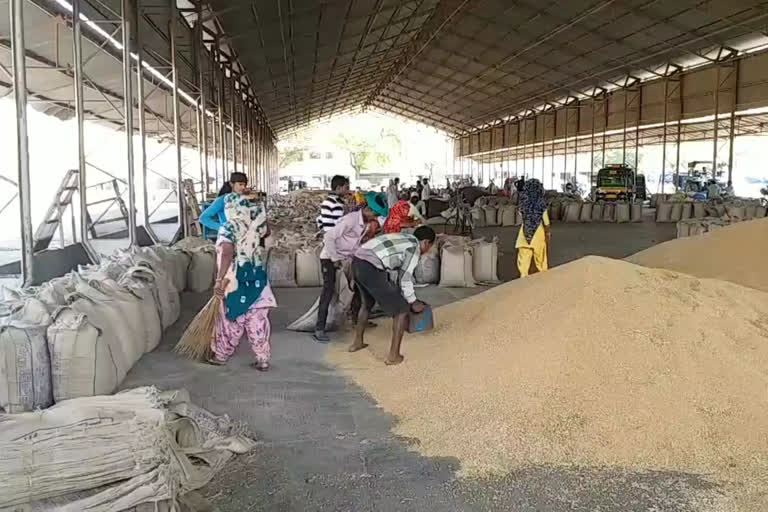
{"x": 533, "y": 239}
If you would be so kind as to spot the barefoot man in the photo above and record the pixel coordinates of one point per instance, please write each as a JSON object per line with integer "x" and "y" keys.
{"x": 393, "y": 252}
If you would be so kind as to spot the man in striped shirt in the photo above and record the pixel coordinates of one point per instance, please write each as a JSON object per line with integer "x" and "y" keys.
{"x": 332, "y": 208}
{"x": 373, "y": 260}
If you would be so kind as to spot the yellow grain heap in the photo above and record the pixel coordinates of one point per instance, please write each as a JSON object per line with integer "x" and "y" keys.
{"x": 735, "y": 253}
{"x": 598, "y": 362}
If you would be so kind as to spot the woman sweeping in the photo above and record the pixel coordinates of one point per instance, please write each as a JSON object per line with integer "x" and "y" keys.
{"x": 534, "y": 236}
{"x": 242, "y": 283}
{"x": 214, "y": 216}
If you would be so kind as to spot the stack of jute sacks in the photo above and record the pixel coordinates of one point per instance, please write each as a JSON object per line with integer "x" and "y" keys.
{"x": 576, "y": 210}
{"x": 680, "y": 208}
{"x": 80, "y": 334}
{"x": 458, "y": 262}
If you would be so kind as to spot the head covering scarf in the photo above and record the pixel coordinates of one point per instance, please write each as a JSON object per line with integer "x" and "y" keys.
{"x": 378, "y": 203}
{"x": 533, "y": 205}
{"x": 245, "y": 226}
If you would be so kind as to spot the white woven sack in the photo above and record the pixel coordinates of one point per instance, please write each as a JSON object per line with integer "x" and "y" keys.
{"x": 84, "y": 361}
{"x": 308, "y": 270}
{"x": 428, "y": 269}
{"x": 663, "y": 211}
{"x": 676, "y": 213}
{"x": 337, "y": 311}
{"x": 150, "y": 311}
{"x": 25, "y": 366}
{"x": 485, "y": 261}
{"x": 281, "y": 268}
{"x": 167, "y": 295}
{"x": 456, "y": 267}
{"x": 573, "y": 212}
{"x": 508, "y": 215}
{"x": 201, "y": 272}
{"x": 478, "y": 217}
{"x": 491, "y": 216}
{"x": 636, "y": 213}
{"x": 597, "y": 212}
{"x": 623, "y": 212}
{"x": 586, "y": 212}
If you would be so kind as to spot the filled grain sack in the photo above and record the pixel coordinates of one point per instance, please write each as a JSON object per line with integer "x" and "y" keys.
{"x": 751, "y": 211}
{"x": 308, "y": 271}
{"x": 508, "y": 216}
{"x": 142, "y": 285}
{"x": 699, "y": 210}
{"x": 491, "y": 216}
{"x": 609, "y": 212}
{"x": 456, "y": 267}
{"x": 586, "y": 212}
{"x": 636, "y": 212}
{"x": 663, "y": 212}
{"x": 760, "y": 212}
{"x": 687, "y": 211}
{"x": 85, "y": 360}
{"x": 281, "y": 268}
{"x": 597, "y": 211}
{"x": 201, "y": 272}
{"x": 554, "y": 210}
{"x": 684, "y": 229}
{"x": 720, "y": 209}
{"x": 478, "y": 217}
{"x": 573, "y": 211}
{"x": 676, "y": 212}
{"x": 428, "y": 269}
{"x": 25, "y": 365}
{"x": 167, "y": 295}
{"x": 736, "y": 210}
{"x": 485, "y": 261}
{"x": 623, "y": 212}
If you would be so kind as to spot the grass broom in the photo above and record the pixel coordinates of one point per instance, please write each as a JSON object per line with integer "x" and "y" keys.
{"x": 195, "y": 343}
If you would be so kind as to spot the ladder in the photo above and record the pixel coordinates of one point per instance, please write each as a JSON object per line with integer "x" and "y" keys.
{"x": 52, "y": 220}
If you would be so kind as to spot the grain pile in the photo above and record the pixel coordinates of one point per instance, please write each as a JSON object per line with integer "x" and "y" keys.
{"x": 595, "y": 363}
{"x": 735, "y": 253}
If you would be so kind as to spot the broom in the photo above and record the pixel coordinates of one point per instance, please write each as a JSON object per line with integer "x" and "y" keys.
{"x": 195, "y": 343}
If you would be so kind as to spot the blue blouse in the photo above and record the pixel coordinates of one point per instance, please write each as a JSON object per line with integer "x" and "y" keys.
{"x": 213, "y": 216}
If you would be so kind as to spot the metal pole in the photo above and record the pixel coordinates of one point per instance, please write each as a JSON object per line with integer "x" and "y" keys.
{"x": 232, "y": 116}
{"x": 732, "y": 128}
{"x": 242, "y": 133}
{"x": 214, "y": 124}
{"x": 592, "y": 149}
{"x": 222, "y": 131}
{"x": 716, "y": 124}
{"x": 664, "y": 137}
{"x": 77, "y": 54}
{"x": 176, "y": 120}
{"x": 128, "y": 119}
{"x": 22, "y": 141}
{"x": 142, "y": 128}
{"x": 203, "y": 126}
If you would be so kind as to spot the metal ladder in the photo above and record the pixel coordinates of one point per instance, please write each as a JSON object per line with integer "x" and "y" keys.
{"x": 52, "y": 221}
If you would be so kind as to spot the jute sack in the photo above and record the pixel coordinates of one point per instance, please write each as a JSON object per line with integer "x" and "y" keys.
{"x": 308, "y": 271}
{"x": 25, "y": 366}
{"x": 337, "y": 311}
{"x": 687, "y": 212}
{"x": 485, "y": 261}
{"x": 478, "y": 217}
{"x": 736, "y": 211}
{"x": 456, "y": 267}
{"x": 636, "y": 213}
{"x": 699, "y": 210}
{"x": 683, "y": 229}
{"x": 609, "y": 212}
{"x": 150, "y": 311}
{"x": 202, "y": 269}
{"x": 491, "y": 216}
{"x": 281, "y": 268}
{"x": 586, "y": 212}
{"x": 573, "y": 212}
{"x": 676, "y": 213}
{"x": 751, "y": 211}
{"x": 623, "y": 213}
{"x": 84, "y": 361}
{"x": 554, "y": 210}
{"x": 508, "y": 215}
{"x": 168, "y": 295}
{"x": 760, "y": 212}
{"x": 663, "y": 211}
{"x": 597, "y": 212}
{"x": 428, "y": 269}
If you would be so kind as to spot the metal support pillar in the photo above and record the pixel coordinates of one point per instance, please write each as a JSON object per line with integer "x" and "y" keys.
{"x": 77, "y": 53}
{"x": 22, "y": 141}
{"x": 242, "y": 133}
{"x": 732, "y": 127}
{"x": 125, "y": 14}
{"x": 142, "y": 127}
{"x": 664, "y": 137}
{"x": 202, "y": 115}
{"x": 592, "y": 149}
{"x": 232, "y": 117}
{"x": 715, "y": 121}
{"x": 176, "y": 121}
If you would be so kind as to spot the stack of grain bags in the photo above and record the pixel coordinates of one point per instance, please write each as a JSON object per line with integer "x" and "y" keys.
{"x": 458, "y": 262}
{"x": 711, "y": 216}
{"x": 576, "y": 210}
{"x": 80, "y": 334}
{"x": 680, "y": 208}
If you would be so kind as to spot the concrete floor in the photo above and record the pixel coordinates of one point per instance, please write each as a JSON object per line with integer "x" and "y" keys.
{"x": 326, "y": 446}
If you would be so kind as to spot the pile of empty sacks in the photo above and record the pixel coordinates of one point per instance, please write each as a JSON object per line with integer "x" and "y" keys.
{"x": 80, "y": 334}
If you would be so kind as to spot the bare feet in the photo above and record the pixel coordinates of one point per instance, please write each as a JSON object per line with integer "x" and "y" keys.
{"x": 397, "y": 360}
{"x": 357, "y": 346}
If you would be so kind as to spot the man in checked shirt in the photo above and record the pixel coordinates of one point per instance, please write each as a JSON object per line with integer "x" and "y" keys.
{"x": 394, "y": 252}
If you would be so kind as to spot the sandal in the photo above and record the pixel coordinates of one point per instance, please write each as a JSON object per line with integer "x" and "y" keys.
{"x": 214, "y": 362}
{"x": 262, "y": 367}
